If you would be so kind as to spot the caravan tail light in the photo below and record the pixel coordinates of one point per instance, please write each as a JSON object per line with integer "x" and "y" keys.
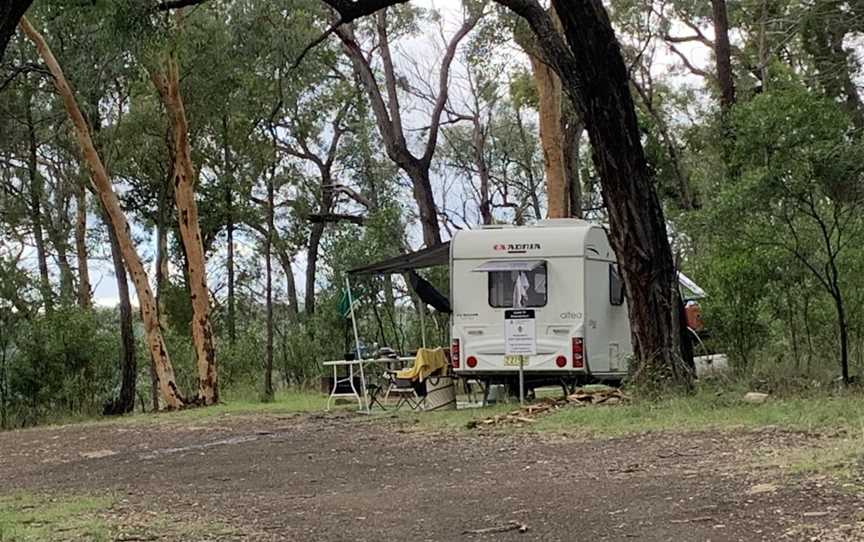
{"x": 578, "y": 353}
{"x": 471, "y": 362}
{"x": 561, "y": 361}
{"x": 454, "y": 353}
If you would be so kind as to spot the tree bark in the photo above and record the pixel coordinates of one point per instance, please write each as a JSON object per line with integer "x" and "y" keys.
{"x": 551, "y": 138}
{"x": 167, "y": 82}
{"x": 268, "y": 262}
{"x": 291, "y": 287}
{"x": 315, "y": 234}
{"x": 58, "y": 232}
{"x": 551, "y": 124}
{"x": 102, "y": 187}
{"x": 823, "y": 30}
{"x": 85, "y": 296}
{"x": 36, "y": 193}
{"x": 125, "y": 402}
{"x": 572, "y": 129}
{"x": 229, "y": 229}
{"x": 11, "y": 12}
{"x": 844, "y": 338}
{"x": 723, "y": 55}
{"x": 161, "y": 270}
{"x": 594, "y": 75}
{"x": 479, "y": 143}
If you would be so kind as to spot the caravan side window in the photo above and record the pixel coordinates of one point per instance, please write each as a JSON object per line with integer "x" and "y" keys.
{"x": 616, "y": 286}
{"x": 518, "y": 288}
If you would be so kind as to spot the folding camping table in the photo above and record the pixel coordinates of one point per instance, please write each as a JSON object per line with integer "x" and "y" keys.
{"x": 364, "y": 402}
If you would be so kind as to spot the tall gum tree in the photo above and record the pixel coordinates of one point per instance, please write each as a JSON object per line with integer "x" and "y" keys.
{"x": 117, "y": 221}
{"x": 550, "y": 108}
{"x": 388, "y": 111}
{"x": 166, "y": 79}
{"x": 595, "y": 77}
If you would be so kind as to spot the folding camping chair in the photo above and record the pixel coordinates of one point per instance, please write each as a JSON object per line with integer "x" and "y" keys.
{"x": 409, "y": 385}
{"x": 410, "y": 392}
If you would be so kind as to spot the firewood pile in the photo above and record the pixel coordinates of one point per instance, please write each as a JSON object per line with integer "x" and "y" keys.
{"x": 581, "y": 397}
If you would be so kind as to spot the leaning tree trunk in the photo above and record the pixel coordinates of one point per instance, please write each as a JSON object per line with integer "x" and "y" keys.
{"x": 168, "y": 84}
{"x": 594, "y": 75}
{"x": 102, "y": 187}
{"x": 125, "y": 402}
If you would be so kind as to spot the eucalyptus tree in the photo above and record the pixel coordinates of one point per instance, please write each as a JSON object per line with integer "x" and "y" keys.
{"x": 386, "y": 101}
{"x": 103, "y": 187}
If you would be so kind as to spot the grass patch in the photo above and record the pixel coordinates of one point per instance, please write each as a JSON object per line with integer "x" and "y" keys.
{"x": 285, "y": 402}
{"x": 27, "y": 517}
{"x": 711, "y": 410}
{"x": 841, "y": 457}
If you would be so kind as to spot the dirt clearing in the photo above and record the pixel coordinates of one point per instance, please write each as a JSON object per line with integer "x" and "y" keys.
{"x": 347, "y": 477}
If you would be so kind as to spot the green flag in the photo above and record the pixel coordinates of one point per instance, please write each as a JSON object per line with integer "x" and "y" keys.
{"x": 344, "y": 306}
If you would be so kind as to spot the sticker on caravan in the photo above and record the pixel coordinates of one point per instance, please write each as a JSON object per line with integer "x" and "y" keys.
{"x": 516, "y": 248}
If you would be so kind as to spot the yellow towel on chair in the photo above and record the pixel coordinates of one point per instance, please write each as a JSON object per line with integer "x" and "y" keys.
{"x": 427, "y": 363}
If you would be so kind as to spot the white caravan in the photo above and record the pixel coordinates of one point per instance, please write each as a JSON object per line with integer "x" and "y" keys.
{"x": 566, "y": 272}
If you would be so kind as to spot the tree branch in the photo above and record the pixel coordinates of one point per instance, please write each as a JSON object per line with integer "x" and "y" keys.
{"x": 167, "y": 5}
{"x": 443, "y": 83}
{"x": 335, "y": 217}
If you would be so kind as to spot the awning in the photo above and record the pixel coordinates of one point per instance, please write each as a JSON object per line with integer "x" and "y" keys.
{"x": 427, "y": 257}
{"x": 428, "y": 294}
{"x": 509, "y": 265}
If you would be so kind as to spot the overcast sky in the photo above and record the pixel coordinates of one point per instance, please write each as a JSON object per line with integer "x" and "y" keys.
{"x": 416, "y": 53}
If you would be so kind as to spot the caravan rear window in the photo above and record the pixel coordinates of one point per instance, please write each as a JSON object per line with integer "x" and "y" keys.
{"x": 518, "y": 288}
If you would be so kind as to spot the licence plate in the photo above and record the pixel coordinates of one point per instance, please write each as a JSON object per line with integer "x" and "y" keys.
{"x": 513, "y": 361}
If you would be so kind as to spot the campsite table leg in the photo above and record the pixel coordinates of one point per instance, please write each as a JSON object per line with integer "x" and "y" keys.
{"x": 335, "y": 386}
{"x": 365, "y": 391}
{"x": 351, "y": 381}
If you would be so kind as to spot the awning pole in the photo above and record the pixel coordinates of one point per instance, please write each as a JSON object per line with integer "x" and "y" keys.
{"x": 357, "y": 354}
